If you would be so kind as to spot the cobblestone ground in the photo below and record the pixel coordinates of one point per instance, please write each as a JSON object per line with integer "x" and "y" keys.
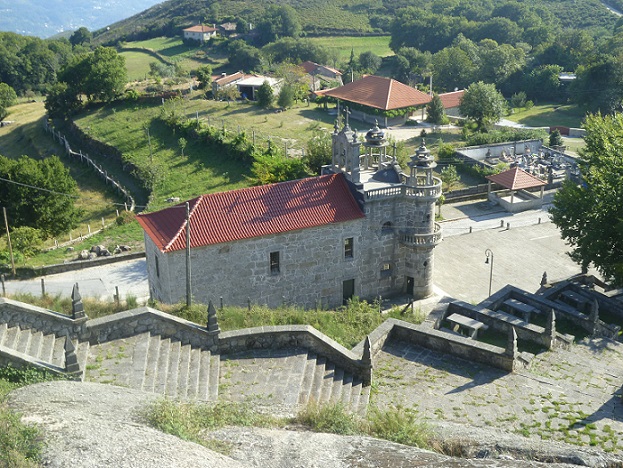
{"x": 571, "y": 395}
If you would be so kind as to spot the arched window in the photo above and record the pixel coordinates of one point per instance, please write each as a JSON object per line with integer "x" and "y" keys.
{"x": 387, "y": 228}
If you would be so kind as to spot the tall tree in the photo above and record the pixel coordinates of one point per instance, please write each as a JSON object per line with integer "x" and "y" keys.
{"x": 204, "y": 76}
{"x": 45, "y": 196}
{"x": 8, "y": 98}
{"x": 80, "y": 36}
{"x": 590, "y": 214}
{"x": 265, "y": 95}
{"x": 483, "y": 104}
{"x": 435, "y": 112}
{"x": 369, "y": 62}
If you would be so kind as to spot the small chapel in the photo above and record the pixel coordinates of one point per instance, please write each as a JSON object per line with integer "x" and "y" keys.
{"x": 364, "y": 227}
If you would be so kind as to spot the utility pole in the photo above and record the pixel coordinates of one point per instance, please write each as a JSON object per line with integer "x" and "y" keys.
{"x": 8, "y": 236}
{"x": 188, "y": 275}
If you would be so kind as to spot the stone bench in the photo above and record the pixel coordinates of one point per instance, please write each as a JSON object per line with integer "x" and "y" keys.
{"x": 517, "y": 307}
{"x": 469, "y": 324}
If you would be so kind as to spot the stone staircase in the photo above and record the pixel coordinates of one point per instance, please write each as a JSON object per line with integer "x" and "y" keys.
{"x": 288, "y": 379}
{"x": 46, "y": 348}
{"x": 325, "y": 383}
{"x": 157, "y": 365}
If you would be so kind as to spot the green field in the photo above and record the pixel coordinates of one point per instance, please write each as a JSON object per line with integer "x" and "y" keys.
{"x": 549, "y": 115}
{"x": 344, "y": 44}
{"x": 172, "y": 50}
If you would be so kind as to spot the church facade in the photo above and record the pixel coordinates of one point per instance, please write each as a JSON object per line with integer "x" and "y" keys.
{"x": 363, "y": 228}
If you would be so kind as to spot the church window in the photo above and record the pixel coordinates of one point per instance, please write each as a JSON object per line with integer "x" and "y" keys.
{"x": 348, "y": 247}
{"x": 274, "y": 263}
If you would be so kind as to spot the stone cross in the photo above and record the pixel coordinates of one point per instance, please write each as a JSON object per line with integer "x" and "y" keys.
{"x": 77, "y": 308}
{"x": 347, "y": 113}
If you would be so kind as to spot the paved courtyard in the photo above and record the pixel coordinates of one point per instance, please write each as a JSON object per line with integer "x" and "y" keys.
{"x": 571, "y": 395}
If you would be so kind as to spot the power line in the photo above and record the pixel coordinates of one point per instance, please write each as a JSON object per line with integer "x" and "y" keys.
{"x": 39, "y": 188}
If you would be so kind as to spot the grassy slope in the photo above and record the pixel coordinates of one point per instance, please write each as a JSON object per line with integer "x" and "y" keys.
{"x": 27, "y": 137}
{"x": 344, "y": 44}
{"x": 546, "y": 115}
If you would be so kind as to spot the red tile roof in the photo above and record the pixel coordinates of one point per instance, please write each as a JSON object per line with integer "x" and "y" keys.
{"x": 223, "y": 80}
{"x": 253, "y": 212}
{"x": 451, "y": 100}
{"x": 308, "y": 66}
{"x": 516, "y": 179}
{"x": 380, "y": 93}
{"x": 200, "y": 29}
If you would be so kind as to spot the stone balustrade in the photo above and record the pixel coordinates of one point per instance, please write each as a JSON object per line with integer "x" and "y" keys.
{"x": 424, "y": 192}
{"x": 422, "y": 240}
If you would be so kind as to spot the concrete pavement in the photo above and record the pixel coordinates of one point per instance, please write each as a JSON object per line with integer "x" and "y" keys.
{"x": 96, "y": 282}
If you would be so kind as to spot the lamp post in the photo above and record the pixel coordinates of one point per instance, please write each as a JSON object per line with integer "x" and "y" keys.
{"x": 489, "y": 255}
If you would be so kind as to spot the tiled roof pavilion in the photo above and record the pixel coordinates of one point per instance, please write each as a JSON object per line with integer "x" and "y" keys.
{"x": 516, "y": 179}
{"x": 380, "y": 93}
{"x": 253, "y": 212}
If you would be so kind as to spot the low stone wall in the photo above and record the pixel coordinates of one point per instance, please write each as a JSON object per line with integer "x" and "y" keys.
{"x": 522, "y": 201}
{"x": 459, "y": 346}
{"x": 30, "y": 317}
{"x": 31, "y": 272}
{"x": 502, "y": 322}
{"x": 145, "y": 319}
{"x": 293, "y": 336}
{"x": 378, "y": 337}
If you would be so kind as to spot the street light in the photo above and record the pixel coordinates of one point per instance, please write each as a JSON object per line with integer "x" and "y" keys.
{"x": 489, "y": 255}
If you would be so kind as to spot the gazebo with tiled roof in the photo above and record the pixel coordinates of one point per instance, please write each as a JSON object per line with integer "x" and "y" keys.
{"x": 378, "y": 92}
{"x": 515, "y": 196}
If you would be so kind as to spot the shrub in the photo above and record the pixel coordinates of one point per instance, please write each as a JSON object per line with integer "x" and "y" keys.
{"x": 333, "y": 419}
{"x": 125, "y": 217}
{"x": 400, "y": 425}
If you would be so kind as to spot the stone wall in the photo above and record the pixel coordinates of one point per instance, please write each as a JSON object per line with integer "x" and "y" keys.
{"x": 146, "y": 319}
{"x": 458, "y": 346}
{"x": 29, "y": 317}
{"x": 502, "y": 322}
{"x": 479, "y": 153}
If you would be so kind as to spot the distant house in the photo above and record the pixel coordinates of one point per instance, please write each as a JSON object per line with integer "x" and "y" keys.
{"x": 451, "y": 102}
{"x": 249, "y": 85}
{"x": 225, "y": 80}
{"x": 227, "y": 29}
{"x": 379, "y": 94}
{"x": 200, "y": 33}
{"x": 321, "y": 74}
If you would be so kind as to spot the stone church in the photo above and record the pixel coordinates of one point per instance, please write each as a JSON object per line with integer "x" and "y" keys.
{"x": 363, "y": 228}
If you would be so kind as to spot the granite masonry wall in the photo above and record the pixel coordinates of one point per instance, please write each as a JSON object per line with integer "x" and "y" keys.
{"x": 29, "y": 317}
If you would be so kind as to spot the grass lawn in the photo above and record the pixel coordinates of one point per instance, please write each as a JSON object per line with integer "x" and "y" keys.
{"x": 549, "y": 115}
{"x": 344, "y": 44}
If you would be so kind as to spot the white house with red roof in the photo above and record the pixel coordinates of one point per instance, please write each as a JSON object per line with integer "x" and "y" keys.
{"x": 451, "y": 102}
{"x": 200, "y": 32}
{"x": 354, "y": 231}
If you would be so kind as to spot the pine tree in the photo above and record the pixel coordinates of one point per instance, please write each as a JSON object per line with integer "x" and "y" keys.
{"x": 435, "y": 112}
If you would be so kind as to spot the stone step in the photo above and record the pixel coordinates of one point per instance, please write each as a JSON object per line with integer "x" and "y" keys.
{"x": 184, "y": 372}
{"x": 23, "y": 341}
{"x": 151, "y": 367}
{"x": 47, "y": 348}
{"x": 327, "y": 383}
{"x": 316, "y": 391}
{"x": 308, "y": 379}
{"x": 163, "y": 366}
{"x": 364, "y": 399}
{"x": 35, "y": 345}
{"x": 139, "y": 361}
{"x": 203, "y": 391}
{"x": 11, "y": 336}
{"x": 338, "y": 384}
{"x": 174, "y": 367}
{"x": 355, "y": 398}
{"x": 347, "y": 390}
{"x": 215, "y": 369}
{"x": 58, "y": 352}
{"x": 3, "y": 328}
{"x": 193, "y": 373}
{"x": 82, "y": 352}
